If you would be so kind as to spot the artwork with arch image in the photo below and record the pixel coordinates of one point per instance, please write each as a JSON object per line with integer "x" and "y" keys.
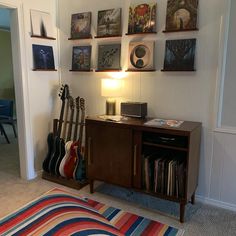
{"x": 181, "y": 15}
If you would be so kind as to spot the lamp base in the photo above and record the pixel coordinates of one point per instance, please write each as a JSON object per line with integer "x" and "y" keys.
{"x": 110, "y": 107}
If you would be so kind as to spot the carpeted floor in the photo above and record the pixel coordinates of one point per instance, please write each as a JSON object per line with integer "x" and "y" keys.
{"x": 201, "y": 220}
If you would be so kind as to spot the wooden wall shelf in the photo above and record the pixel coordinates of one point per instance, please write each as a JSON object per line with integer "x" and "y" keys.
{"x": 164, "y": 70}
{"x": 112, "y": 70}
{"x": 81, "y": 70}
{"x": 184, "y": 30}
{"x": 44, "y": 70}
{"x": 141, "y": 33}
{"x": 42, "y": 37}
{"x": 108, "y": 36}
{"x": 81, "y": 38}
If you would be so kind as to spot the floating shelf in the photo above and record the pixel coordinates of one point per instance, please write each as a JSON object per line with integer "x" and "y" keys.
{"x": 44, "y": 70}
{"x": 183, "y": 30}
{"x": 133, "y": 70}
{"x": 90, "y": 70}
{"x": 108, "y": 70}
{"x": 141, "y": 33}
{"x": 81, "y": 38}
{"x": 42, "y": 37}
{"x": 107, "y": 36}
{"x": 164, "y": 70}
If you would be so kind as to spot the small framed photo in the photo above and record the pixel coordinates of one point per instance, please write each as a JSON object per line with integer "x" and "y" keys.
{"x": 141, "y": 56}
{"x": 180, "y": 55}
{"x": 81, "y": 25}
{"x": 41, "y": 24}
{"x": 81, "y": 58}
{"x": 181, "y": 15}
{"x": 142, "y": 18}
{"x": 109, "y": 23}
{"x": 109, "y": 57}
{"x": 43, "y": 57}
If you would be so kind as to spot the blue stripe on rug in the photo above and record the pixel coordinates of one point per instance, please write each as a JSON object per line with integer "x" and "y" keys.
{"x": 134, "y": 225}
{"x": 113, "y": 214}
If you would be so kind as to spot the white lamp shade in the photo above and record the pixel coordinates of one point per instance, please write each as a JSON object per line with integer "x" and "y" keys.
{"x": 111, "y": 87}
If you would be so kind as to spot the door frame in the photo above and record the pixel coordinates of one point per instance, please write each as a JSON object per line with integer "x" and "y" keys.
{"x": 25, "y": 139}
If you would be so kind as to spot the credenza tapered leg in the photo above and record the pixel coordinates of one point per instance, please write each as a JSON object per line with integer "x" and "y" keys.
{"x": 91, "y": 182}
{"x": 182, "y": 211}
{"x": 193, "y": 199}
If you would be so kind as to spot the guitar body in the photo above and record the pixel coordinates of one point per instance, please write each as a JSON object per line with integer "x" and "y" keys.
{"x": 50, "y": 142}
{"x": 60, "y": 157}
{"x": 55, "y": 155}
{"x": 80, "y": 169}
{"x": 71, "y": 161}
{"x": 64, "y": 159}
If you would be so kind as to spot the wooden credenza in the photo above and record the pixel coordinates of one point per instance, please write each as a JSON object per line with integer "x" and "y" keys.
{"x": 118, "y": 153}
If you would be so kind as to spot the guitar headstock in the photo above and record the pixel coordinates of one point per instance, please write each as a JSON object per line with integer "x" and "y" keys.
{"x": 82, "y": 104}
{"x": 64, "y": 92}
{"x": 77, "y": 103}
{"x": 71, "y": 102}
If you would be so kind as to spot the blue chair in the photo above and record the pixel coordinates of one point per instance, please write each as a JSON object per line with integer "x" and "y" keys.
{"x": 6, "y": 114}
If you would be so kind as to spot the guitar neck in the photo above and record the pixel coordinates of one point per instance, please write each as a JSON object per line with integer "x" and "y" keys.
{"x": 61, "y": 118}
{"x": 76, "y": 125}
{"x": 65, "y": 120}
{"x": 81, "y": 123}
{"x": 70, "y": 126}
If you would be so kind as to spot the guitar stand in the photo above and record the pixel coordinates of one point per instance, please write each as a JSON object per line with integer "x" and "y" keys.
{"x": 71, "y": 183}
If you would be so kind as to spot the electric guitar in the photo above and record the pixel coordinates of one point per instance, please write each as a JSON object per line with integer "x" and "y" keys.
{"x": 69, "y": 142}
{"x": 62, "y": 151}
{"x": 52, "y": 139}
{"x": 71, "y": 161}
{"x": 80, "y": 168}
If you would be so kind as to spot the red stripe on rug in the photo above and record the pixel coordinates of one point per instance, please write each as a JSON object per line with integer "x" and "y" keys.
{"x": 34, "y": 209}
{"x": 128, "y": 224}
{"x": 125, "y": 217}
{"x": 153, "y": 228}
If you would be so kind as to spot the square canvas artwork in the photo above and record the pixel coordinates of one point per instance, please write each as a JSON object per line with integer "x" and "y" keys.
{"x": 180, "y": 55}
{"x": 81, "y": 25}
{"x": 181, "y": 15}
{"x": 41, "y": 24}
{"x": 109, "y": 57}
{"x": 43, "y": 57}
{"x": 81, "y": 58}
{"x": 142, "y": 18}
{"x": 141, "y": 56}
{"x": 109, "y": 22}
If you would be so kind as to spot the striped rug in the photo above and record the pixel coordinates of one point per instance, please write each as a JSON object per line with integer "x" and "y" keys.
{"x": 61, "y": 213}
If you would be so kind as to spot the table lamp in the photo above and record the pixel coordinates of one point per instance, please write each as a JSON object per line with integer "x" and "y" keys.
{"x": 111, "y": 88}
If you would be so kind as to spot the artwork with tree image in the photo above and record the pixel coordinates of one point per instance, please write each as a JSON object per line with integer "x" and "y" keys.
{"x": 81, "y": 25}
{"x": 181, "y": 15}
{"x": 41, "y": 24}
{"x": 81, "y": 58}
{"x": 142, "y": 18}
{"x": 109, "y": 57}
{"x": 180, "y": 55}
{"x": 109, "y": 22}
{"x": 43, "y": 57}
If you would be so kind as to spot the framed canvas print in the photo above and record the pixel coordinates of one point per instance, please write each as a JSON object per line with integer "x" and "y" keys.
{"x": 41, "y": 24}
{"x": 81, "y": 25}
{"x": 81, "y": 58}
{"x": 181, "y": 15}
{"x": 180, "y": 55}
{"x": 109, "y": 57}
{"x": 109, "y": 23}
{"x": 43, "y": 57}
{"x": 141, "y": 56}
{"x": 142, "y": 18}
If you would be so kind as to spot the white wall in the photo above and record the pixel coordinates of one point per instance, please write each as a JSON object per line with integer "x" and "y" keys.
{"x": 178, "y": 95}
{"x": 35, "y": 91}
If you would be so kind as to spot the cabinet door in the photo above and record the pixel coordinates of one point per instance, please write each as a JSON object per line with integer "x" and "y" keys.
{"x": 109, "y": 153}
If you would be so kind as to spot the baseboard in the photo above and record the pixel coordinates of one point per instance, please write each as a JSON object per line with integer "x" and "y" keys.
{"x": 216, "y": 203}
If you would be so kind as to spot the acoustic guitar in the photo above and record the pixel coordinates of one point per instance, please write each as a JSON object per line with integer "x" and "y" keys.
{"x": 52, "y": 139}
{"x": 69, "y": 142}
{"x": 71, "y": 161}
{"x": 80, "y": 167}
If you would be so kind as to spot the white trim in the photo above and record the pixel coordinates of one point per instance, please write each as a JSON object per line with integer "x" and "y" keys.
{"x": 226, "y": 130}
{"x": 26, "y": 153}
{"x": 216, "y": 203}
{"x": 222, "y": 55}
